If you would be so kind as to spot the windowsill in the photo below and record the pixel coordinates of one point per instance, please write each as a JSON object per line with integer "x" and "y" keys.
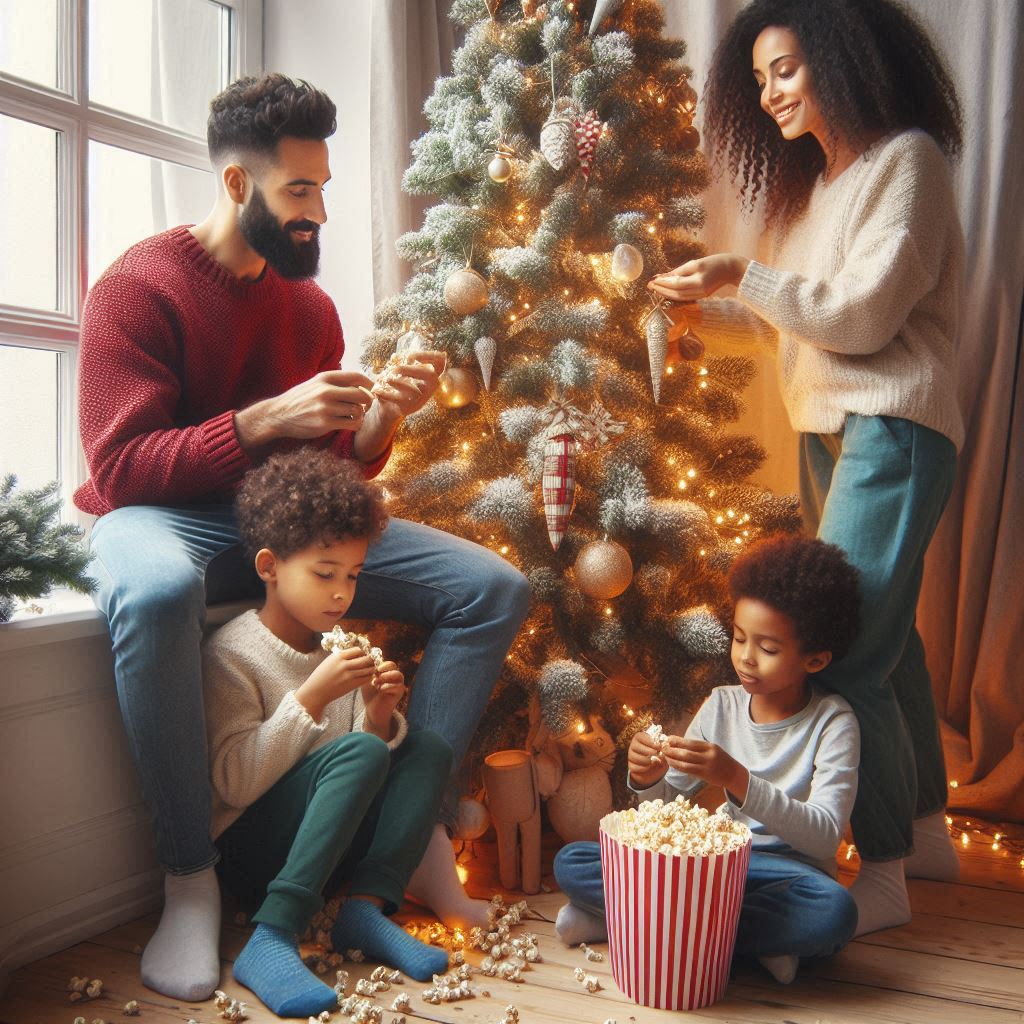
{"x": 67, "y": 615}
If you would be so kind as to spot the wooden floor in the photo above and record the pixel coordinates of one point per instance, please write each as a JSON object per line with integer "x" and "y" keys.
{"x": 960, "y": 961}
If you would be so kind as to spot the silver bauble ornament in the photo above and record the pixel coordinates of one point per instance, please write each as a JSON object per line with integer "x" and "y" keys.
{"x": 456, "y": 387}
{"x": 657, "y": 348}
{"x": 486, "y": 349}
{"x": 500, "y": 169}
{"x": 627, "y": 263}
{"x": 603, "y": 569}
{"x": 465, "y": 291}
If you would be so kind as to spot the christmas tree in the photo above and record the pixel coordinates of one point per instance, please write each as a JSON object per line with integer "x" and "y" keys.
{"x": 569, "y": 434}
{"x": 36, "y": 551}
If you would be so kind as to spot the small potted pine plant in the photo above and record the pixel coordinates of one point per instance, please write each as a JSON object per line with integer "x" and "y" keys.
{"x": 37, "y": 551}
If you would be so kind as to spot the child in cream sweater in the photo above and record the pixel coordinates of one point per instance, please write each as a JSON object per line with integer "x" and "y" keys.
{"x": 316, "y": 777}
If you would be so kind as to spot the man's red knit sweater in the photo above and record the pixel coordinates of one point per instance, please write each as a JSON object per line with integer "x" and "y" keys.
{"x": 173, "y": 345}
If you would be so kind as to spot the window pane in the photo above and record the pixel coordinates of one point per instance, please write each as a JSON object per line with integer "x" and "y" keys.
{"x": 132, "y": 196}
{"x": 159, "y": 59}
{"x": 28, "y": 415}
{"x": 28, "y": 40}
{"x": 28, "y": 214}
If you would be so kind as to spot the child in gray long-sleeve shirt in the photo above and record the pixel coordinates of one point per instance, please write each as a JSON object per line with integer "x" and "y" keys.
{"x": 785, "y": 752}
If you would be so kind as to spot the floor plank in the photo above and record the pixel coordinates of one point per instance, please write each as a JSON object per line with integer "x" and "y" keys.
{"x": 960, "y": 961}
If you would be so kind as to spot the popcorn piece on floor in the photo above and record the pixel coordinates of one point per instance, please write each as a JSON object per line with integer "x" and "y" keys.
{"x": 591, "y": 954}
{"x": 402, "y": 1003}
{"x": 355, "y": 955}
{"x": 94, "y": 989}
{"x": 79, "y": 1020}
{"x": 228, "y": 1008}
{"x": 131, "y": 1008}
{"x": 511, "y": 1015}
{"x": 323, "y": 1018}
{"x": 588, "y": 981}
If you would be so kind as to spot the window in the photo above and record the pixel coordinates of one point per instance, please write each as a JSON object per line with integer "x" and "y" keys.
{"x": 102, "y": 142}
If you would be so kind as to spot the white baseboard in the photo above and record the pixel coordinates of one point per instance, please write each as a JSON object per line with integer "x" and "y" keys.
{"x": 57, "y": 927}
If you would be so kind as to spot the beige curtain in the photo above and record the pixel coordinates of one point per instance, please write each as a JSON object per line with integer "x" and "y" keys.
{"x": 411, "y": 43}
{"x": 971, "y": 614}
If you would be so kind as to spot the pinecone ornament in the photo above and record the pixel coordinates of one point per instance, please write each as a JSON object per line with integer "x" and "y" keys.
{"x": 558, "y": 136}
{"x": 559, "y": 485}
{"x": 486, "y": 349}
{"x": 588, "y": 130}
{"x": 657, "y": 348}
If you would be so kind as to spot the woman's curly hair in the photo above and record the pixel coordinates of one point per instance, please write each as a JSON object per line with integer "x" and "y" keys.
{"x": 253, "y": 114}
{"x": 873, "y": 68}
{"x": 810, "y": 582}
{"x": 300, "y": 497}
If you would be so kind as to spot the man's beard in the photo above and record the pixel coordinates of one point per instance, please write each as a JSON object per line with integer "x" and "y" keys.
{"x": 291, "y": 259}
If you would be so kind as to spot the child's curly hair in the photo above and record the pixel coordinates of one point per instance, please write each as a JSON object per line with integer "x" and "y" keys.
{"x": 809, "y": 581}
{"x": 307, "y": 495}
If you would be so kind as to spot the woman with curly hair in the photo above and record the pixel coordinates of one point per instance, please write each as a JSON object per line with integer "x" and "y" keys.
{"x": 840, "y": 114}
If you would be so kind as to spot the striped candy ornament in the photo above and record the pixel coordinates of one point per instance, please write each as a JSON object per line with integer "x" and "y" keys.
{"x": 671, "y": 922}
{"x": 558, "y": 485}
{"x": 588, "y": 132}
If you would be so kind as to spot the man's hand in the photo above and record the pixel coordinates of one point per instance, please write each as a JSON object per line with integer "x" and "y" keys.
{"x": 709, "y": 762}
{"x": 410, "y": 388}
{"x": 332, "y": 400}
{"x": 405, "y": 392}
{"x": 643, "y": 771}
{"x": 381, "y": 698}
{"x": 338, "y": 674}
{"x": 699, "y": 278}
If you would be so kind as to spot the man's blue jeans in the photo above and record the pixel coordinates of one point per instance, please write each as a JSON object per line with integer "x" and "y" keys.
{"x": 789, "y": 908}
{"x": 157, "y": 568}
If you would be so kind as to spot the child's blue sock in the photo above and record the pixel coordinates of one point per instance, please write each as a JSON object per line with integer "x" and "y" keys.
{"x": 362, "y": 925}
{"x": 270, "y": 965}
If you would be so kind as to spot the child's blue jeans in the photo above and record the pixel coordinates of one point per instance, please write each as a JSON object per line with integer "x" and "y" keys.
{"x": 789, "y": 908}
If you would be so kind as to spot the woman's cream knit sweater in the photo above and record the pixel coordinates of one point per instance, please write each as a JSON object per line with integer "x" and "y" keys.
{"x": 862, "y": 300}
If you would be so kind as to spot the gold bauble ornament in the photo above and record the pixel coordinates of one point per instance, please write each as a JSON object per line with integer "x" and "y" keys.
{"x": 456, "y": 387}
{"x": 627, "y": 263}
{"x": 500, "y": 169}
{"x": 603, "y": 569}
{"x": 465, "y": 291}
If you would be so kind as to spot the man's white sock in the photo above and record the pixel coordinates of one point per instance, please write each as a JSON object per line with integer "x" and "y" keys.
{"x": 934, "y": 854}
{"x": 435, "y": 884}
{"x": 880, "y": 893}
{"x": 182, "y": 958}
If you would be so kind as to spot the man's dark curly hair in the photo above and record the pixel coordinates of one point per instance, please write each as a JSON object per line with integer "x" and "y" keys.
{"x": 873, "y": 69}
{"x": 810, "y": 582}
{"x": 300, "y": 497}
{"x": 252, "y": 115}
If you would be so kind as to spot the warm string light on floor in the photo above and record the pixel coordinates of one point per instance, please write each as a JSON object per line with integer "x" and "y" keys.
{"x": 967, "y": 833}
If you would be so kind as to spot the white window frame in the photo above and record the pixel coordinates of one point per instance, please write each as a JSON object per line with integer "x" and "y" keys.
{"x": 66, "y": 109}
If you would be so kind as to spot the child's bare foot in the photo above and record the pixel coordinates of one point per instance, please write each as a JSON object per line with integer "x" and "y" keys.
{"x": 435, "y": 884}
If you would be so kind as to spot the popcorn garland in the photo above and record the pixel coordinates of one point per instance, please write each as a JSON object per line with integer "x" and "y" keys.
{"x": 679, "y": 828}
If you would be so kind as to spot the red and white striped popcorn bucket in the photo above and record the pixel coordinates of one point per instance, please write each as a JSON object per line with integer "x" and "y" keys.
{"x": 671, "y": 920}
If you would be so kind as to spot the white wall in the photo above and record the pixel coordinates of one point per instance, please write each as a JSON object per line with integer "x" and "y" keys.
{"x": 327, "y": 42}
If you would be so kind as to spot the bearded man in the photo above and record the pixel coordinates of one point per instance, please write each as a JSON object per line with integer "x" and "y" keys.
{"x": 205, "y": 349}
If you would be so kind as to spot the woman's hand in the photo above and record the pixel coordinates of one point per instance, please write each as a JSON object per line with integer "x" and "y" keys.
{"x": 381, "y": 698}
{"x": 700, "y": 278}
{"x": 646, "y": 765}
